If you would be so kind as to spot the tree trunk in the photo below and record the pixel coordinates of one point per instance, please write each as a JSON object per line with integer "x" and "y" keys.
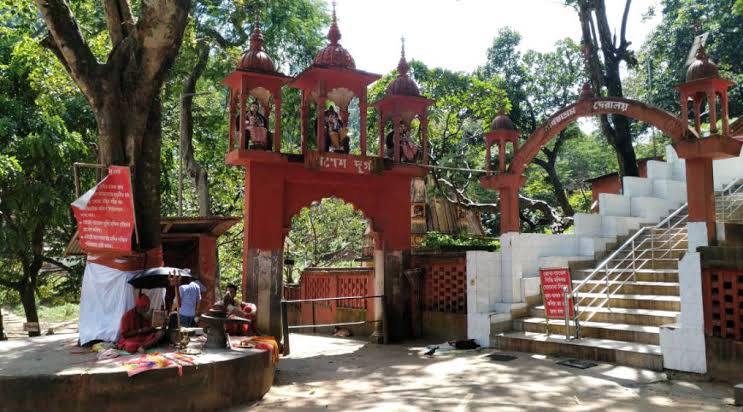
{"x": 197, "y": 173}
{"x": 560, "y": 195}
{"x": 2, "y": 329}
{"x": 617, "y": 129}
{"x": 124, "y": 91}
{"x": 28, "y": 300}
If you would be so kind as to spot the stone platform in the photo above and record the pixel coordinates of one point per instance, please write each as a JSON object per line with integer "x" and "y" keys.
{"x": 44, "y": 374}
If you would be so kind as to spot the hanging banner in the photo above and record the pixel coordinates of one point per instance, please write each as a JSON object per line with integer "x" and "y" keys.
{"x": 105, "y": 214}
{"x": 554, "y": 282}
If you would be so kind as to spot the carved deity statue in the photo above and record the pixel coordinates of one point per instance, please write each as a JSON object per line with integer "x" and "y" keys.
{"x": 336, "y": 135}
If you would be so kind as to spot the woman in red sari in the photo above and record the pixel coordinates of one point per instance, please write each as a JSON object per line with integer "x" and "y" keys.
{"x": 137, "y": 333}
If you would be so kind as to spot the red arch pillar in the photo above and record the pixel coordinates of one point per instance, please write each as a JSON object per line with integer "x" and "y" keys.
{"x": 276, "y": 189}
{"x": 508, "y": 186}
{"x": 700, "y": 188}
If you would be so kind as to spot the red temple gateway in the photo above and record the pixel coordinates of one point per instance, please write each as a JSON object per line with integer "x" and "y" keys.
{"x": 334, "y": 162}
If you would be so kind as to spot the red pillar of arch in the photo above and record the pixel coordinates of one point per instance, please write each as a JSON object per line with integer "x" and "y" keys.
{"x": 277, "y": 189}
{"x": 508, "y": 187}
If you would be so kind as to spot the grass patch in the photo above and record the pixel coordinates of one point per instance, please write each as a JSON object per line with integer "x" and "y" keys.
{"x": 59, "y": 313}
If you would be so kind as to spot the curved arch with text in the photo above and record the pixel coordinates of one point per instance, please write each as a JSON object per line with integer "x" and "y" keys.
{"x": 664, "y": 121}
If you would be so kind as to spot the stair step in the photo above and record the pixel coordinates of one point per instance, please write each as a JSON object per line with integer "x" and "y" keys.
{"x": 651, "y": 275}
{"x": 602, "y": 350}
{"x": 638, "y": 301}
{"x": 633, "y": 316}
{"x": 597, "y": 330}
{"x": 640, "y": 287}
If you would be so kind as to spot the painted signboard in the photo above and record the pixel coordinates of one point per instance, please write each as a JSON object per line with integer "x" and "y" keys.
{"x": 105, "y": 214}
{"x": 341, "y": 163}
{"x": 554, "y": 281}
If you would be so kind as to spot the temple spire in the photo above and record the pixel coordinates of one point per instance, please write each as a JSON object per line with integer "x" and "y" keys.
{"x": 334, "y": 34}
{"x": 256, "y": 37}
{"x": 402, "y": 65}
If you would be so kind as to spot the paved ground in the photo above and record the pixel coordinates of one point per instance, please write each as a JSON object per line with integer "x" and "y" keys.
{"x": 13, "y": 326}
{"x": 325, "y": 373}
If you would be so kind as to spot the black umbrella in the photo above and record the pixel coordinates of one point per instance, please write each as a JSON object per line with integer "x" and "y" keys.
{"x": 159, "y": 278}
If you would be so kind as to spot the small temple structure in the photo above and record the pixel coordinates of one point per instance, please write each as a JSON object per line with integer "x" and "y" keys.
{"x": 333, "y": 161}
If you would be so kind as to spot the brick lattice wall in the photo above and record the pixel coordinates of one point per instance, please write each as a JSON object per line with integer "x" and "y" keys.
{"x": 722, "y": 291}
{"x": 445, "y": 286}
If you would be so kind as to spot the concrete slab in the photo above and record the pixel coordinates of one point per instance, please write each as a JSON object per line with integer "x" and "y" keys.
{"x": 49, "y": 373}
{"x": 333, "y": 374}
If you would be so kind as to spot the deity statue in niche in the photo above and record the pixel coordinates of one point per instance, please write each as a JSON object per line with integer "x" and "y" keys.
{"x": 408, "y": 149}
{"x": 255, "y": 124}
{"x": 336, "y": 135}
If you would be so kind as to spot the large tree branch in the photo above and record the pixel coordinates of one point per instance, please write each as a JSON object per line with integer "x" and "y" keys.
{"x": 118, "y": 19}
{"x": 58, "y": 264}
{"x": 72, "y": 47}
{"x": 197, "y": 173}
{"x": 159, "y": 30}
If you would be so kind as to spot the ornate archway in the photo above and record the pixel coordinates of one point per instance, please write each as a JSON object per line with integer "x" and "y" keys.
{"x": 686, "y": 140}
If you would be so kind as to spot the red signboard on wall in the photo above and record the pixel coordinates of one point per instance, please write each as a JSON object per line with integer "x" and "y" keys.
{"x": 554, "y": 282}
{"x": 331, "y": 162}
{"x": 105, "y": 214}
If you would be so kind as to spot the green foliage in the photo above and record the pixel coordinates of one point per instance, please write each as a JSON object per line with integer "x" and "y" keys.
{"x": 42, "y": 132}
{"x": 57, "y": 313}
{"x": 450, "y": 243}
{"x": 329, "y": 233}
{"x": 666, "y": 50}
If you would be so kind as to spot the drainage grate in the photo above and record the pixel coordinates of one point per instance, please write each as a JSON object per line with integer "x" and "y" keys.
{"x": 576, "y": 363}
{"x": 499, "y": 357}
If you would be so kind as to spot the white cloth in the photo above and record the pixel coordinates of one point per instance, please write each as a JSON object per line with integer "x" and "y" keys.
{"x": 104, "y": 299}
{"x": 156, "y": 295}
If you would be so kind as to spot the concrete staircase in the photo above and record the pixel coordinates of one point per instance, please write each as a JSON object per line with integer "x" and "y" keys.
{"x": 624, "y": 329}
{"x": 643, "y": 282}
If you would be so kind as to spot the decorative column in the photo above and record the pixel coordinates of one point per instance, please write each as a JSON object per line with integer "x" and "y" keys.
{"x": 712, "y": 108}
{"x": 277, "y": 124}
{"x": 320, "y": 123}
{"x": 700, "y": 182}
{"x": 304, "y": 123}
{"x": 232, "y": 109}
{"x": 243, "y": 110}
{"x": 362, "y": 121}
{"x": 381, "y": 135}
{"x": 424, "y": 138}
{"x": 396, "y": 128}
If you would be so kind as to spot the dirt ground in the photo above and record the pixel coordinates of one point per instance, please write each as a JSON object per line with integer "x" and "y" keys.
{"x": 334, "y": 374}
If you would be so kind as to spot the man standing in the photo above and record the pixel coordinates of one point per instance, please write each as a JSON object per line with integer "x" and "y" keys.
{"x": 190, "y": 297}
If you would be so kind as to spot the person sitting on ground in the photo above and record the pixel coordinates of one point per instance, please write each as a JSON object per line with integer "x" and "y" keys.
{"x": 137, "y": 333}
{"x": 190, "y": 297}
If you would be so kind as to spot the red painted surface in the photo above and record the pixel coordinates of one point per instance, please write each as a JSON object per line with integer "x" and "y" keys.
{"x": 444, "y": 283}
{"x": 722, "y": 293}
{"x": 105, "y": 214}
{"x": 199, "y": 255}
{"x": 325, "y": 283}
{"x": 276, "y": 190}
{"x": 554, "y": 281}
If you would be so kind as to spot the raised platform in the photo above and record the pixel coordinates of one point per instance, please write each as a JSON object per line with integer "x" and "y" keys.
{"x": 44, "y": 374}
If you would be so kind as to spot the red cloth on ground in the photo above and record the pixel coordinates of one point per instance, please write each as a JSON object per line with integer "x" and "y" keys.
{"x": 242, "y": 329}
{"x": 132, "y": 321}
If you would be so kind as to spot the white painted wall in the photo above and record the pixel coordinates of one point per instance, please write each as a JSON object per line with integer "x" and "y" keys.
{"x": 682, "y": 344}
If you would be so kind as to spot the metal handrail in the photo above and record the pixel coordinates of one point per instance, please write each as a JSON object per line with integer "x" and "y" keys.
{"x": 634, "y": 263}
{"x": 731, "y": 200}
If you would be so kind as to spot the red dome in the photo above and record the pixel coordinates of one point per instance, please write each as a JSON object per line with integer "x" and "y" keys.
{"x": 255, "y": 58}
{"x": 702, "y": 67}
{"x": 502, "y": 122}
{"x": 334, "y": 55}
{"x": 403, "y": 85}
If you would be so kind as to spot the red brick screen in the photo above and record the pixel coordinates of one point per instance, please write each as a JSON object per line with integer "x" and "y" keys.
{"x": 354, "y": 285}
{"x": 333, "y": 283}
{"x": 722, "y": 292}
{"x": 445, "y": 285}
